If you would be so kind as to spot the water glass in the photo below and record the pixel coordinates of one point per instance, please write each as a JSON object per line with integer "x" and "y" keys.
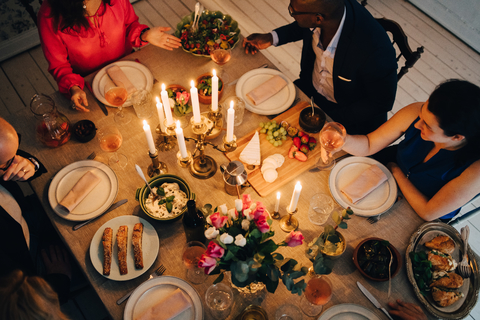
{"x": 288, "y": 312}
{"x": 142, "y": 103}
{"x": 238, "y": 106}
{"x": 321, "y": 206}
{"x": 219, "y": 300}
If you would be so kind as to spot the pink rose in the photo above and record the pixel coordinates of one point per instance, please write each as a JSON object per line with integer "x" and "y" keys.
{"x": 182, "y": 97}
{"x": 246, "y": 200}
{"x": 259, "y": 211}
{"x": 218, "y": 220}
{"x": 214, "y": 250}
{"x": 207, "y": 262}
{"x": 262, "y": 224}
{"x": 295, "y": 238}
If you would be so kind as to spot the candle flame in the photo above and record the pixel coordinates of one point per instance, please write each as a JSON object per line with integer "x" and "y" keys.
{"x": 231, "y": 104}
{"x": 278, "y": 195}
{"x": 192, "y": 83}
{"x": 178, "y": 124}
{"x": 145, "y": 123}
{"x": 163, "y": 86}
{"x": 214, "y": 73}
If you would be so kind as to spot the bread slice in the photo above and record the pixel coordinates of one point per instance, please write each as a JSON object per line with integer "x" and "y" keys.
{"x": 137, "y": 245}
{"x": 441, "y": 243}
{"x": 122, "y": 237}
{"x": 107, "y": 250}
{"x": 445, "y": 298}
{"x": 450, "y": 281}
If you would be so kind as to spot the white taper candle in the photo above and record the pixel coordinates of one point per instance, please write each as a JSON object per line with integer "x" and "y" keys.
{"x": 214, "y": 92}
{"x": 295, "y": 197}
{"x": 230, "y": 121}
{"x": 195, "y": 103}
{"x": 161, "y": 115}
{"x": 148, "y": 134}
{"x": 181, "y": 140}
{"x": 166, "y": 105}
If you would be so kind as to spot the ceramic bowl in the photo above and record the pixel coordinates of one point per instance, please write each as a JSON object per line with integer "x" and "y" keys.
{"x": 208, "y": 99}
{"x": 359, "y": 255}
{"x": 311, "y": 123}
{"x": 84, "y": 130}
{"x": 143, "y": 192}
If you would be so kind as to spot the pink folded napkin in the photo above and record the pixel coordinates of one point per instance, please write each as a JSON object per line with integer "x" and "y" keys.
{"x": 167, "y": 308}
{"x": 120, "y": 79}
{"x": 266, "y": 90}
{"x": 79, "y": 191}
{"x": 365, "y": 183}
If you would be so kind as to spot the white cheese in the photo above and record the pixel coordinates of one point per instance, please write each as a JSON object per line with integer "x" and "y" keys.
{"x": 251, "y": 153}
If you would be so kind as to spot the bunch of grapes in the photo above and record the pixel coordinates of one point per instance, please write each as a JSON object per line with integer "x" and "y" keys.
{"x": 276, "y": 134}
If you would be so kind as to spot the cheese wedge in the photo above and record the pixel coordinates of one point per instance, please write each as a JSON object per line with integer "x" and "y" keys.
{"x": 251, "y": 153}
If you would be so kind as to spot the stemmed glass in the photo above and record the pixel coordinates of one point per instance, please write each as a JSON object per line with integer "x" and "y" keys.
{"x": 110, "y": 140}
{"x": 116, "y": 96}
{"x": 317, "y": 294}
{"x": 221, "y": 56}
{"x": 332, "y": 139}
{"x": 192, "y": 253}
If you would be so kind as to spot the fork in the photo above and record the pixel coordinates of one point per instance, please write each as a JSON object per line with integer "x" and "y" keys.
{"x": 92, "y": 156}
{"x": 157, "y": 273}
{"x": 464, "y": 267}
{"x": 374, "y": 219}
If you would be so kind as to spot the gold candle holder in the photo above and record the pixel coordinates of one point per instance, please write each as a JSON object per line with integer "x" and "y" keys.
{"x": 229, "y": 146}
{"x": 156, "y": 167}
{"x": 275, "y": 215}
{"x": 289, "y": 223}
{"x": 184, "y": 162}
{"x": 164, "y": 142}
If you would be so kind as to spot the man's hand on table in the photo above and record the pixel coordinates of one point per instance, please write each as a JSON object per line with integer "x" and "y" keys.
{"x": 257, "y": 41}
{"x": 57, "y": 261}
{"x": 21, "y": 169}
{"x": 406, "y": 311}
{"x": 79, "y": 99}
{"x": 159, "y": 38}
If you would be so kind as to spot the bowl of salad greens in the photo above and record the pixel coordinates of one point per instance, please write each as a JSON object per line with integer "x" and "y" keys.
{"x": 204, "y": 86}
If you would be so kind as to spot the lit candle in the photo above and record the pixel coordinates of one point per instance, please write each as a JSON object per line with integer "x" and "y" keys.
{"x": 166, "y": 105}
{"x": 277, "y": 203}
{"x": 161, "y": 115}
{"x": 230, "y": 120}
{"x": 181, "y": 140}
{"x": 214, "y": 92}
{"x": 295, "y": 197}
{"x": 195, "y": 103}
{"x": 148, "y": 134}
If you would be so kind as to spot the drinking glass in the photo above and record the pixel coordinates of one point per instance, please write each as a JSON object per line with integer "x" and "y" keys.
{"x": 321, "y": 205}
{"x": 221, "y": 56}
{"x": 288, "y": 312}
{"x": 110, "y": 140}
{"x": 219, "y": 300}
{"x": 192, "y": 253}
{"x": 116, "y": 96}
{"x": 317, "y": 293}
{"x": 332, "y": 139}
{"x": 238, "y": 106}
{"x": 142, "y": 103}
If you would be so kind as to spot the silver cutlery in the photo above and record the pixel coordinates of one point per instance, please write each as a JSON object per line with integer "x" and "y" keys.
{"x": 374, "y": 219}
{"x": 463, "y": 266}
{"x": 92, "y": 156}
{"x": 317, "y": 169}
{"x": 140, "y": 173}
{"x": 236, "y": 80}
{"x": 111, "y": 208}
{"x": 157, "y": 273}
{"x": 372, "y": 299}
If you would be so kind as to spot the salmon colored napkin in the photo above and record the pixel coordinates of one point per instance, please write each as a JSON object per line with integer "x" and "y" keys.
{"x": 266, "y": 90}
{"x": 120, "y": 79}
{"x": 167, "y": 308}
{"x": 79, "y": 191}
{"x": 365, "y": 183}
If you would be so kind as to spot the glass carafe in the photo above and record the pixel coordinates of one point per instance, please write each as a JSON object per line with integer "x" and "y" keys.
{"x": 52, "y": 127}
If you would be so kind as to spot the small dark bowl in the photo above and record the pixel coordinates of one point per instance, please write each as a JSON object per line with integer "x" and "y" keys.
{"x": 84, "y": 130}
{"x": 309, "y": 123}
{"x": 358, "y": 253}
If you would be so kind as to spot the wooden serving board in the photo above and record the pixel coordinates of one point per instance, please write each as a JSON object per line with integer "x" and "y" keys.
{"x": 290, "y": 169}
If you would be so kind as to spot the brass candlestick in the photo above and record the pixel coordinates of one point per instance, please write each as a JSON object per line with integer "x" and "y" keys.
{"x": 275, "y": 215}
{"x": 157, "y": 167}
{"x": 289, "y": 223}
{"x": 165, "y": 141}
{"x": 216, "y": 123}
{"x": 184, "y": 162}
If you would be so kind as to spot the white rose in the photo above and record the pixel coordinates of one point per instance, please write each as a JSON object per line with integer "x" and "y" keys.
{"x": 172, "y": 102}
{"x": 253, "y": 206}
{"x": 246, "y": 213}
{"x": 223, "y": 209}
{"x": 209, "y": 221}
{"x": 238, "y": 205}
{"x": 226, "y": 238}
{"x": 240, "y": 240}
{"x": 232, "y": 213}
{"x": 211, "y": 233}
{"x": 245, "y": 224}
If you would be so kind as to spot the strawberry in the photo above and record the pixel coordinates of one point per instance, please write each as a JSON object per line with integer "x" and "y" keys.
{"x": 312, "y": 143}
{"x": 305, "y": 138}
{"x": 304, "y": 148}
{"x": 297, "y": 142}
{"x": 301, "y": 133}
{"x": 292, "y": 150}
{"x": 300, "y": 156}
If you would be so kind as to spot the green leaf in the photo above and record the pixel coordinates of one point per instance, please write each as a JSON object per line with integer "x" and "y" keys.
{"x": 277, "y": 256}
{"x": 169, "y": 206}
{"x": 323, "y": 265}
{"x": 170, "y": 199}
{"x": 267, "y": 247}
{"x": 258, "y": 257}
{"x": 161, "y": 192}
{"x": 333, "y": 238}
{"x": 342, "y": 225}
{"x": 228, "y": 256}
{"x": 162, "y": 202}
{"x": 255, "y": 234}
{"x": 328, "y": 230}
{"x": 336, "y": 218}
{"x": 219, "y": 278}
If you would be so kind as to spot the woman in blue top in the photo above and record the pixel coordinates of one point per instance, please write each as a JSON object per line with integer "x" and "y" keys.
{"x": 438, "y": 163}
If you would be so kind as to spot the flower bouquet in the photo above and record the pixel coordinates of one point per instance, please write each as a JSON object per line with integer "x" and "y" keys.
{"x": 179, "y": 98}
{"x": 241, "y": 244}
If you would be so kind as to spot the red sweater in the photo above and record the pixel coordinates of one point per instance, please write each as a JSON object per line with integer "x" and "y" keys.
{"x": 72, "y": 55}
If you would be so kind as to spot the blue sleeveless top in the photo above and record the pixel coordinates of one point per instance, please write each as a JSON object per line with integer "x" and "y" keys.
{"x": 431, "y": 176}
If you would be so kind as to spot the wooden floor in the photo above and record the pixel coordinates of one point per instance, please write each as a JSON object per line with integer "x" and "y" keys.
{"x": 445, "y": 57}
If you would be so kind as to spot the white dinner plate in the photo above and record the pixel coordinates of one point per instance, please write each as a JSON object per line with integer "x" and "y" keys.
{"x": 377, "y": 202}
{"x": 96, "y": 202}
{"x": 152, "y": 291}
{"x": 150, "y": 246}
{"x": 348, "y": 311}
{"x": 137, "y": 73}
{"x": 278, "y": 103}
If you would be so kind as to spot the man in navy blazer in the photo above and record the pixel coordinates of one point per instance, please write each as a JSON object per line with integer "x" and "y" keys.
{"x": 361, "y": 88}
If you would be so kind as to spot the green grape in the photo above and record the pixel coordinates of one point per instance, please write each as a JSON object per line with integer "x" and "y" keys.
{"x": 284, "y": 138}
{"x": 274, "y": 121}
{"x": 263, "y": 130}
{"x": 275, "y": 134}
{"x": 261, "y": 124}
{"x": 275, "y": 144}
{"x": 279, "y": 143}
{"x": 282, "y": 130}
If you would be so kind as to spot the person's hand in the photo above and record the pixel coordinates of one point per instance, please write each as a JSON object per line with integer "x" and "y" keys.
{"x": 57, "y": 261}
{"x": 79, "y": 99}
{"x": 392, "y": 166}
{"x": 159, "y": 38}
{"x": 257, "y": 41}
{"x": 21, "y": 169}
{"x": 406, "y": 311}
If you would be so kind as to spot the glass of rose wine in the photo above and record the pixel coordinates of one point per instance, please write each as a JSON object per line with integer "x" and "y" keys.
{"x": 221, "y": 54}
{"x": 317, "y": 294}
{"x": 332, "y": 139}
{"x": 116, "y": 96}
{"x": 110, "y": 140}
{"x": 191, "y": 256}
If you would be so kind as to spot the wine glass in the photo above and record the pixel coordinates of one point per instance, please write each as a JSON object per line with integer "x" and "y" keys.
{"x": 110, "y": 140}
{"x": 116, "y": 96}
{"x": 332, "y": 139}
{"x": 219, "y": 300}
{"x": 192, "y": 253}
{"x": 317, "y": 293}
{"x": 221, "y": 54}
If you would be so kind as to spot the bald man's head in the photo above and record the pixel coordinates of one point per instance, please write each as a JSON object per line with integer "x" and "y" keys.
{"x": 8, "y": 141}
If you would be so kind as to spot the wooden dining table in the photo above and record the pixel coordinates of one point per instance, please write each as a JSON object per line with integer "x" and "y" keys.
{"x": 179, "y": 67}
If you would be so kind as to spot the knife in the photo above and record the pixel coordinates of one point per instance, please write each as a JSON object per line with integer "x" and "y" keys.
{"x": 112, "y": 207}
{"x": 101, "y": 105}
{"x": 372, "y": 299}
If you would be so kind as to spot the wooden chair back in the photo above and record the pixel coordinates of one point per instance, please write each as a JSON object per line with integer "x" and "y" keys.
{"x": 29, "y": 8}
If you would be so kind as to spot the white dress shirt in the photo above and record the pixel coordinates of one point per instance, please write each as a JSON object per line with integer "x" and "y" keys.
{"x": 10, "y": 205}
